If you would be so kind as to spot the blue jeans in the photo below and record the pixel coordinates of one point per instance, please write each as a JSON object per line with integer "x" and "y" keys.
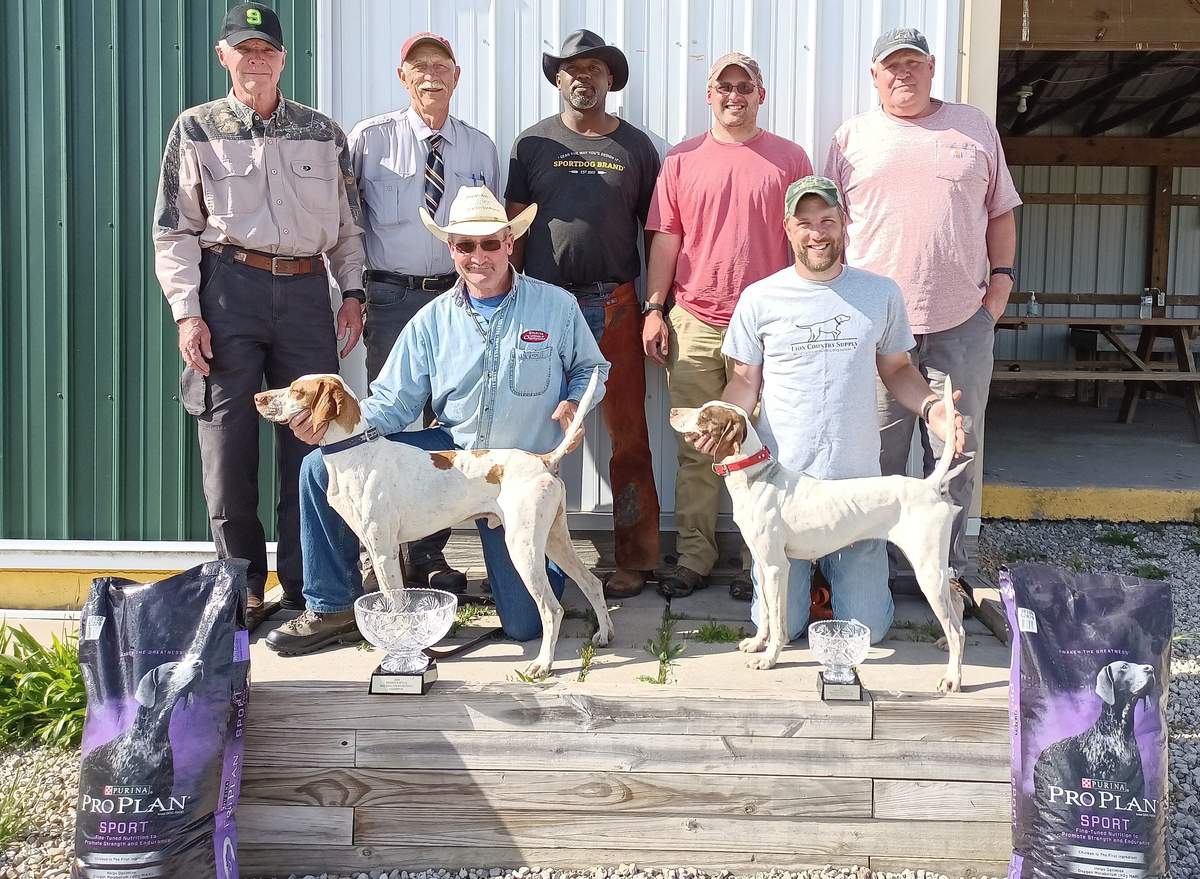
{"x": 332, "y": 580}
{"x": 858, "y": 578}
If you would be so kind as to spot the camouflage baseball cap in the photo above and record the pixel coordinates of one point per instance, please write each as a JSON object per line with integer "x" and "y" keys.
{"x": 811, "y": 185}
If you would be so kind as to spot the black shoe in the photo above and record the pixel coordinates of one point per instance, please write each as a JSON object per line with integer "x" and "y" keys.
{"x": 680, "y": 582}
{"x": 436, "y": 574}
{"x": 963, "y": 588}
{"x": 311, "y": 631}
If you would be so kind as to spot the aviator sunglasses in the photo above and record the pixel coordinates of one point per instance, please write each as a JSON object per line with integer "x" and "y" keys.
{"x": 491, "y": 245}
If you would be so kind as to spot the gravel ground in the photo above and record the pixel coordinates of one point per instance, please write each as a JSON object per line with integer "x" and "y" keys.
{"x": 51, "y": 777}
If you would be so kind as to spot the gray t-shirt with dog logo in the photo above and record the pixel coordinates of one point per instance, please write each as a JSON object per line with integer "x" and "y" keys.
{"x": 816, "y": 342}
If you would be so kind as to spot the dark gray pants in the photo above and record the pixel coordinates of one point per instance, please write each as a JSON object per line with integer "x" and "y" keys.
{"x": 262, "y": 326}
{"x": 389, "y": 309}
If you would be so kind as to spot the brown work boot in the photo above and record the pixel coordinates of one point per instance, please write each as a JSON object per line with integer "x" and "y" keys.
{"x": 311, "y": 631}
{"x": 679, "y": 581}
{"x": 624, "y": 583}
{"x": 256, "y": 612}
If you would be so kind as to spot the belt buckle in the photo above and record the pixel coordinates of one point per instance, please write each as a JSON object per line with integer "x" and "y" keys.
{"x": 275, "y": 266}
{"x": 425, "y": 285}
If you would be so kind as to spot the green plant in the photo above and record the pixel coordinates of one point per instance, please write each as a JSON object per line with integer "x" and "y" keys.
{"x": 1022, "y": 554}
{"x": 926, "y": 632}
{"x": 465, "y": 615}
{"x": 1078, "y": 565}
{"x": 1148, "y": 571}
{"x": 1117, "y": 537}
{"x": 664, "y": 649}
{"x": 364, "y": 646}
{"x": 14, "y": 811}
{"x": 713, "y": 632}
{"x": 42, "y": 696}
{"x": 586, "y": 654}
{"x": 1143, "y": 553}
{"x": 1195, "y": 544}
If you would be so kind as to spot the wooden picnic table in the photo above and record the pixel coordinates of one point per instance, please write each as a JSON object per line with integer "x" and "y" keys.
{"x": 1138, "y": 368}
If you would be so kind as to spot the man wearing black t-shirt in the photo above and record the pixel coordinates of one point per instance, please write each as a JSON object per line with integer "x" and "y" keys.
{"x": 592, "y": 176}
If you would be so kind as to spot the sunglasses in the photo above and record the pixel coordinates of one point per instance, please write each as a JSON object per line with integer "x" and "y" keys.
{"x": 742, "y": 88}
{"x": 491, "y": 245}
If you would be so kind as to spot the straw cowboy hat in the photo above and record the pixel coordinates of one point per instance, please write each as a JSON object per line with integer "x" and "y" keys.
{"x": 474, "y": 212}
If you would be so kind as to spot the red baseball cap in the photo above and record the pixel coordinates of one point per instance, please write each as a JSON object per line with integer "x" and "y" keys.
{"x": 426, "y": 37}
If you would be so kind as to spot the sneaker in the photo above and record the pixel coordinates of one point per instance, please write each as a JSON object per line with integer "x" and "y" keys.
{"x": 436, "y": 574}
{"x": 624, "y": 583}
{"x": 311, "y": 631}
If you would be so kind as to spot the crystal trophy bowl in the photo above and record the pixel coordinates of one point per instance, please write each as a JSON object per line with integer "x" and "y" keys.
{"x": 404, "y": 624}
{"x": 840, "y": 645}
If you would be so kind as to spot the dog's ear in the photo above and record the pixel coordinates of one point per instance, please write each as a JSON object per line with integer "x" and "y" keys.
{"x": 147, "y": 691}
{"x": 1104, "y": 685}
{"x": 327, "y": 402}
{"x": 348, "y": 411}
{"x": 732, "y": 434}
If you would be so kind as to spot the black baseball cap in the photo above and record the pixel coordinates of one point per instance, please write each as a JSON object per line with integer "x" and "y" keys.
{"x": 251, "y": 21}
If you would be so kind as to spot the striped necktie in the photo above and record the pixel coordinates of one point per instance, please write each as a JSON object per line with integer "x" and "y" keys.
{"x": 434, "y": 168}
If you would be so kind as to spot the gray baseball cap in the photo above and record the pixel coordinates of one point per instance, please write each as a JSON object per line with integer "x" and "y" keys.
{"x": 811, "y": 185}
{"x": 899, "y": 38}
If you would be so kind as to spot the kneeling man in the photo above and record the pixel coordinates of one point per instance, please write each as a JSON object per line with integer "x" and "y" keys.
{"x": 811, "y": 338}
{"x": 504, "y": 360}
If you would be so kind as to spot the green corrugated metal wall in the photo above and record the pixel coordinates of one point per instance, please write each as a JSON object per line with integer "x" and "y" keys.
{"x": 93, "y": 443}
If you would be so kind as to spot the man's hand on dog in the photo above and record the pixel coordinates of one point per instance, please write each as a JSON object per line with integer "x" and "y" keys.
{"x": 937, "y": 423}
{"x": 564, "y": 413}
{"x": 703, "y": 443}
{"x": 302, "y": 427}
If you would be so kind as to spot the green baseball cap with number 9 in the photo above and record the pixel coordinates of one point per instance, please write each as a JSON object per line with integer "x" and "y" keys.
{"x": 812, "y": 185}
{"x": 251, "y": 21}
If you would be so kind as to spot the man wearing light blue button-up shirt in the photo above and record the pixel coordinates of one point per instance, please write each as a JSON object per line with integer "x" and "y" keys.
{"x": 504, "y": 360}
{"x": 407, "y": 268}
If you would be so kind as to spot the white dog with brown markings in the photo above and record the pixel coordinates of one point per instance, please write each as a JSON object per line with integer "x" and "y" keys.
{"x": 787, "y": 515}
{"x": 390, "y": 492}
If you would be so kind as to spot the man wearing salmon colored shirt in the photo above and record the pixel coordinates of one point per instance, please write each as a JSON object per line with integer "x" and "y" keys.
{"x": 930, "y": 204}
{"x": 715, "y": 213}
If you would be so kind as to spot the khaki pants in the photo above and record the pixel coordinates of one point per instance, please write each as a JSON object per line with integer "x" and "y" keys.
{"x": 697, "y": 372}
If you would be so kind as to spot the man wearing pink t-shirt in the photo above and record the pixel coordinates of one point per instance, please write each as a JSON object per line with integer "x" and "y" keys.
{"x": 930, "y": 204}
{"x": 716, "y": 212}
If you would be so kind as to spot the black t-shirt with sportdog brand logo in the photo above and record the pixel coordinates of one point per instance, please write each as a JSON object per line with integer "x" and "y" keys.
{"x": 592, "y": 194}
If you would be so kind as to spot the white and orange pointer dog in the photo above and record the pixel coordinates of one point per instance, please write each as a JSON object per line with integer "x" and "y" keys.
{"x": 389, "y": 492}
{"x": 785, "y": 515}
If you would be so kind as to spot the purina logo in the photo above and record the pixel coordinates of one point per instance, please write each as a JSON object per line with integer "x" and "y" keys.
{"x": 1116, "y": 787}
{"x": 141, "y": 790}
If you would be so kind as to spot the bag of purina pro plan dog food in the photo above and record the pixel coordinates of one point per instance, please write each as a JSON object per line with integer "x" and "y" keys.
{"x": 166, "y": 666}
{"x": 1091, "y": 656}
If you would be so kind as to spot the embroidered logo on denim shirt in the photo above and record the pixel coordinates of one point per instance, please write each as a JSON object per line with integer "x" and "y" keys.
{"x": 534, "y": 336}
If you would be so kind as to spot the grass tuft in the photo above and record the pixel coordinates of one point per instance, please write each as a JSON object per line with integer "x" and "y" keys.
{"x": 1148, "y": 571}
{"x": 664, "y": 649}
{"x": 1117, "y": 537}
{"x": 586, "y": 654}
{"x": 14, "y": 811}
{"x": 465, "y": 615}
{"x": 713, "y": 632}
{"x": 42, "y": 697}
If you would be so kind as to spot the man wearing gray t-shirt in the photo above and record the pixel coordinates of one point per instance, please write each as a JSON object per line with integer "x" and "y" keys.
{"x": 810, "y": 339}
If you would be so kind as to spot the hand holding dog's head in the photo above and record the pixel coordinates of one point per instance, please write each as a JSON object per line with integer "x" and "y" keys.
{"x": 716, "y": 428}
{"x": 324, "y": 397}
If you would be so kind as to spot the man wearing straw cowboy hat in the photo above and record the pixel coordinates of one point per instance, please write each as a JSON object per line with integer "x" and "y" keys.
{"x": 504, "y": 360}
{"x": 592, "y": 176}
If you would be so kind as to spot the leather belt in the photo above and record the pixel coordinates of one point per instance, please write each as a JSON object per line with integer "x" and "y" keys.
{"x": 597, "y": 288}
{"x": 430, "y": 283}
{"x": 283, "y": 266}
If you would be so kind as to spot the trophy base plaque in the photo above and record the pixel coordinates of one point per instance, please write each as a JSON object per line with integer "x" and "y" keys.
{"x": 387, "y": 683}
{"x": 831, "y": 691}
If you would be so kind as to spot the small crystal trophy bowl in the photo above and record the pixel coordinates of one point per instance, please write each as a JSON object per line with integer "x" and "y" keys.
{"x": 404, "y": 624}
{"x": 840, "y": 645}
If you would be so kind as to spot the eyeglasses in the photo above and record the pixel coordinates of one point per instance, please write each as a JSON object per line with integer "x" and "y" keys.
{"x": 491, "y": 245}
{"x": 742, "y": 88}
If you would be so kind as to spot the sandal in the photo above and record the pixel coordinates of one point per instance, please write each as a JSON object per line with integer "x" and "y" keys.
{"x": 741, "y": 588}
{"x": 680, "y": 582}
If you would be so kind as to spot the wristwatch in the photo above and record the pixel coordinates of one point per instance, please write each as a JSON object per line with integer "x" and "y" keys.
{"x": 648, "y": 307}
{"x": 1005, "y": 270}
{"x": 929, "y": 403}
{"x": 355, "y": 294}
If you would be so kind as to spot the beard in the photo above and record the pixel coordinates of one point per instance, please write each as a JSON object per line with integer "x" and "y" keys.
{"x": 820, "y": 263}
{"x": 582, "y": 102}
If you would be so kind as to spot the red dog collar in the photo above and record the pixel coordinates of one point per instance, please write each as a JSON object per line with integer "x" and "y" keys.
{"x": 763, "y": 454}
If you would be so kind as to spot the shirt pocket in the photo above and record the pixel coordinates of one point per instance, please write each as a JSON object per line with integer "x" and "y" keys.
{"x": 316, "y": 184}
{"x": 961, "y": 163}
{"x": 530, "y": 372}
{"x": 231, "y": 184}
{"x": 385, "y": 191}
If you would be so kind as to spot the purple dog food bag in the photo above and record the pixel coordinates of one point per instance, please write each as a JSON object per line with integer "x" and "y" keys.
{"x": 1091, "y": 657}
{"x": 166, "y": 666}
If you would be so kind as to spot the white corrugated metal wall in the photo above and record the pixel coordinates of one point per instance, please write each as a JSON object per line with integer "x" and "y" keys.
{"x": 814, "y": 55}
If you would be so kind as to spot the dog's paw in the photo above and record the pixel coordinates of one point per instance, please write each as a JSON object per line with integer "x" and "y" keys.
{"x": 949, "y": 684}
{"x": 752, "y": 645}
{"x": 761, "y": 662}
{"x": 536, "y": 671}
{"x": 942, "y": 643}
{"x": 602, "y": 637}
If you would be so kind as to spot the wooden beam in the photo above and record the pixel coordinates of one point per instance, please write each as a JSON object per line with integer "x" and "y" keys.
{"x": 1179, "y": 125}
{"x": 1160, "y": 232}
{"x": 1040, "y": 69}
{"x": 1099, "y": 25}
{"x": 1166, "y": 99}
{"x": 1085, "y": 198}
{"x": 1103, "y": 151}
{"x": 1098, "y": 91}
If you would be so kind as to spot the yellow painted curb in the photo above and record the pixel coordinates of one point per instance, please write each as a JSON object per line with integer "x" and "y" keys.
{"x": 1090, "y": 502}
{"x": 64, "y": 590}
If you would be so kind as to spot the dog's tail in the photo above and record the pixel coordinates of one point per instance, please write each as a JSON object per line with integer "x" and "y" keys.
{"x": 941, "y": 473}
{"x": 555, "y": 458}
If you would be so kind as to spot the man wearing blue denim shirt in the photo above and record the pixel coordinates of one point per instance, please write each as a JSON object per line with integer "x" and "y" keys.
{"x": 503, "y": 359}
